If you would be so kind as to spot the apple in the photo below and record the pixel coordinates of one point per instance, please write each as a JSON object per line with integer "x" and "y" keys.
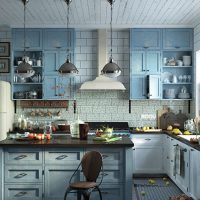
{"x": 31, "y": 136}
{"x": 48, "y": 136}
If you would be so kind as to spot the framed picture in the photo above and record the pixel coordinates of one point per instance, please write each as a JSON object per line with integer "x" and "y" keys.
{"x": 4, "y": 49}
{"x": 4, "y": 65}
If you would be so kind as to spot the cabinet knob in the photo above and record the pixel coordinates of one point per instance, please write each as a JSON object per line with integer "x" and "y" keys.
{"x": 20, "y": 157}
{"x": 145, "y": 47}
{"x": 147, "y": 70}
{"x": 148, "y": 139}
{"x": 177, "y": 47}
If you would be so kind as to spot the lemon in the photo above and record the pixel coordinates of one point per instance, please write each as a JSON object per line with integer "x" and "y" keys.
{"x": 187, "y": 133}
{"x": 151, "y": 181}
{"x": 142, "y": 193}
{"x": 169, "y": 128}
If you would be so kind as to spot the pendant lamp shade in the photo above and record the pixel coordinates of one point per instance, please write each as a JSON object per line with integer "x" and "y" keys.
{"x": 24, "y": 69}
{"x": 68, "y": 68}
{"x": 111, "y": 69}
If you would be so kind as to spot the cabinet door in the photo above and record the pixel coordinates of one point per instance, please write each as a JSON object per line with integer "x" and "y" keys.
{"x": 154, "y": 87}
{"x": 144, "y": 160}
{"x": 57, "y": 180}
{"x": 145, "y": 38}
{"x": 152, "y": 62}
{"x": 58, "y": 39}
{"x": 178, "y": 39}
{"x": 56, "y": 87}
{"x": 182, "y": 175}
{"x": 138, "y": 62}
{"x": 138, "y": 87}
{"x": 194, "y": 173}
{"x": 51, "y": 64}
{"x": 33, "y": 39}
{"x": 1, "y": 174}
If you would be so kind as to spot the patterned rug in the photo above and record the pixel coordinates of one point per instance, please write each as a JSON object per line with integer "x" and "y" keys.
{"x": 155, "y": 188}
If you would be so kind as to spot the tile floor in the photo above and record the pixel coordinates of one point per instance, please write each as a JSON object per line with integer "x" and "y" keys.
{"x": 154, "y": 189}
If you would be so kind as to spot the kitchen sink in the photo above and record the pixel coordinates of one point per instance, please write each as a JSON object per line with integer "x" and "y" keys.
{"x": 188, "y": 137}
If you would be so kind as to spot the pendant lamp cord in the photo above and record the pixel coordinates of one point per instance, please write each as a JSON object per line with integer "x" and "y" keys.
{"x": 68, "y": 27}
{"x": 111, "y": 4}
{"x": 24, "y": 27}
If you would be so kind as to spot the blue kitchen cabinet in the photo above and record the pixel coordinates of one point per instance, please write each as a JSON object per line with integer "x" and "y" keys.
{"x": 33, "y": 39}
{"x": 53, "y": 60}
{"x": 58, "y": 87}
{"x": 58, "y": 39}
{"x": 178, "y": 38}
{"x": 145, "y": 62}
{"x": 145, "y": 87}
{"x": 145, "y": 38}
{"x": 138, "y": 87}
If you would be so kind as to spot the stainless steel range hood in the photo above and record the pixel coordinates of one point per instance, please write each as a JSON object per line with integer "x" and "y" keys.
{"x": 102, "y": 82}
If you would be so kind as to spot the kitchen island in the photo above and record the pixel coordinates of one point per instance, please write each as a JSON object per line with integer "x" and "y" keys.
{"x": 40, "y": 170}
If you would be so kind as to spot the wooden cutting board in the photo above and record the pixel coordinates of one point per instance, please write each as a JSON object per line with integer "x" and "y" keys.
{"x": 160, "y": 112}
{"x": 181, "y": 118}
{"x": 168, "y": 118}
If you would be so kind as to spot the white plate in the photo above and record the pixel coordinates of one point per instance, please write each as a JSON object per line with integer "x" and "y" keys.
{"x": 166, "y": 77}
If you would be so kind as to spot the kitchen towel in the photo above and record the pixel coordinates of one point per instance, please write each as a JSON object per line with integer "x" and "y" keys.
{"x": 179, "y": 164}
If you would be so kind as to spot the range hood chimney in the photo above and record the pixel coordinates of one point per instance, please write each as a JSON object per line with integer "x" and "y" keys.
{"x": 101, "y": 82}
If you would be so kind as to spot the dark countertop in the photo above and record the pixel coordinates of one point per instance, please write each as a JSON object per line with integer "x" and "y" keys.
{"x": 66, "y": 141}
{"x": 193, "y": 145}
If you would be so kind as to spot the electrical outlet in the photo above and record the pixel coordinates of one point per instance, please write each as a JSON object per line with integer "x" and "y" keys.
{"x": 148, "y": 116}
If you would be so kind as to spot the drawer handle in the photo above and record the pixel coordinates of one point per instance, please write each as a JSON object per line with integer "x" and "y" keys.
{"x": 148, "y": 139}
{"x": 20, "y": 157}
{"x": 105, "y": 193}
{"x": 104, "y": 156}
{"x": 61, "y": 157}
{"x": 184, "y": 150}
{"x": 191, "y": 149}
{"x": 104, "y": 174}
{"x": 20, "y": 194}
{"x": 20, "y": 175}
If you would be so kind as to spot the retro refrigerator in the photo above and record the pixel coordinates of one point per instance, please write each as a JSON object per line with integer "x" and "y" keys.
{"x": 6, "y": 109}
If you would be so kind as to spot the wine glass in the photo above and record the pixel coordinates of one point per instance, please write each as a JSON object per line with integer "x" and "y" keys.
{"x": 189, "y": 77}
{"x": 180, "y": 78}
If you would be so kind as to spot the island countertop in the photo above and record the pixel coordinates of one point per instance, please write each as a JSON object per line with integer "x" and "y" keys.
{"x": 66, "y": 141}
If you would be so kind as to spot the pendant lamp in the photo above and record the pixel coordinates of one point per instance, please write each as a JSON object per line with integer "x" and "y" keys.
{"x": 24, "y": 69}
{"x": 111, "y": 69}
{"x": 68, "y": 68}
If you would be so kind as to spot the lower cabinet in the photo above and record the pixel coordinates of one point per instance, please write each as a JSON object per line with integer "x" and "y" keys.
{"x": 44, "y": 174}
{"x": 194, "y": 172}
{"x": 147, "y": 154}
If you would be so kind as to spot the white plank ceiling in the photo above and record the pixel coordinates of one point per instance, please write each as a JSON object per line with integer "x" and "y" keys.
{"x": 96, "y": 13}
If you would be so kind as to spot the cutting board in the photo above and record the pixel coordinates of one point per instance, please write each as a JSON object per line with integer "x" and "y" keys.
{"x": 168, "y": 118}
{"x": 160, "y": 112}
{"x": 181, "y": 118}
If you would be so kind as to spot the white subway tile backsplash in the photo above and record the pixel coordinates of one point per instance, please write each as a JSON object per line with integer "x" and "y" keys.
{"x": 86, "y": 34}
{"x": 91, "y": 42}
{"x": 92, "y": 56}
{"x": 81, "y": 42}
{"x": 81, "y": 56}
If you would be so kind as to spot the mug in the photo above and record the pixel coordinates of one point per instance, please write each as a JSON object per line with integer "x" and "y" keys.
{"x": 83, "y": 131}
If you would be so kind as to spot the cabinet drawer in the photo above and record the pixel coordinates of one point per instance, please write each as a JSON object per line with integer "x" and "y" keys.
{"x": 112, "y": 175}
{"x": 23, "y": 174}
{"x": 109, "y": 192}
{"x": 63, "y": 156}
{"x": 23, "y": 156}
{"x": 23, "y": 192}
{"x": 147, "y": 140}
{"x": 110, "y": 156}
